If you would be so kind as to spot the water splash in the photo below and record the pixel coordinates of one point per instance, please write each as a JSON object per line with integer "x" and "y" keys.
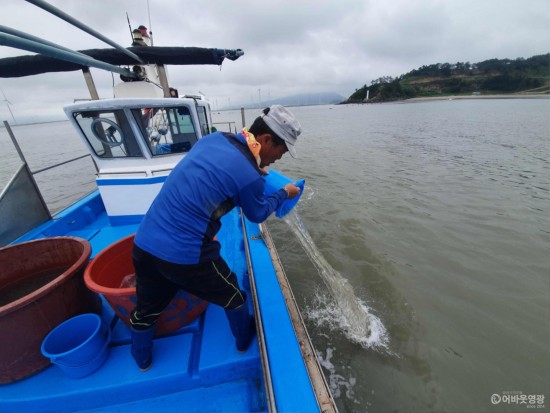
{"x": 346, "y": 312}
{"x": 326, "y": 312}
{"x": 337, "y": 382}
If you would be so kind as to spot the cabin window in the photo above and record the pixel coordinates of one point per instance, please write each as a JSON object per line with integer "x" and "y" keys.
{"x": 168, "y": 130}
{"x": 109, "y": 134}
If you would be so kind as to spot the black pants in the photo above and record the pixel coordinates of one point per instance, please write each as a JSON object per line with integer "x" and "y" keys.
{"x": 158, "y": 281}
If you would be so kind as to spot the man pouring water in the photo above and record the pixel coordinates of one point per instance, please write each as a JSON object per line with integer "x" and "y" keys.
{"x": 176, "y": 245}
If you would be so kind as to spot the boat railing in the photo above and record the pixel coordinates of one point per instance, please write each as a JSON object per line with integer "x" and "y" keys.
{"x": 22, "y": 206}
{"x": 61, "y": 163}
{"x": 318, "y": 382}
{"x": 269, "y": 392}
{"x": 231, "y": 125}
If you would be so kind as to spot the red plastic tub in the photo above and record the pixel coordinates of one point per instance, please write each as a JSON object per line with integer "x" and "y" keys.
{"x": 107, "y": 275}
{"x": 41, "y": 286}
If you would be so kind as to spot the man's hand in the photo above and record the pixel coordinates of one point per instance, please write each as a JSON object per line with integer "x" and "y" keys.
{"x": 291, "y": 190}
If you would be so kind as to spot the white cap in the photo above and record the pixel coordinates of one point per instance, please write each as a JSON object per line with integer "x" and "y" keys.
{"x": 283, "y": 123}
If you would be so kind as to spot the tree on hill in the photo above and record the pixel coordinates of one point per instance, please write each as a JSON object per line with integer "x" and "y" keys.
{"x": 439, "y": 79}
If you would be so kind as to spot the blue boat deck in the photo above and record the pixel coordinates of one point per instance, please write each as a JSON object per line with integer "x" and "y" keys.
{"x": 197, "y": 363}
{"x": 85, "y": 219}
{"x": 196, "y": 368}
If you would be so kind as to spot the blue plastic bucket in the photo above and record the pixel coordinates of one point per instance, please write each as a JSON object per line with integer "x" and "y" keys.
{"x": 78, "y": 346}
{"x": 275, "y": 181}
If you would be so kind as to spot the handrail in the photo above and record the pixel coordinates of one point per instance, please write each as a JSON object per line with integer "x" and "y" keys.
{"x": 62, "y": 15}
{"x": 269, "y": 392}
{"x": 228, "y": 124}
{"x": 316, "y": 376}
{"x": 59, "y": 53}
{"x": 27, "y": 36}
{"x": 60, "y": 163}
{"x": 22, "y": 157}
{"x": 26, "y": 167}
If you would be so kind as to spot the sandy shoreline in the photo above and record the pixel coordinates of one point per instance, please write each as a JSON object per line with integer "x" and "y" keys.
{"x": 518, "y": 96}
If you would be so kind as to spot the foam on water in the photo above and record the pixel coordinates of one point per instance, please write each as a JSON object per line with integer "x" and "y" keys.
{"x": 337, "y": 382}
{"x": 343, "y": 310}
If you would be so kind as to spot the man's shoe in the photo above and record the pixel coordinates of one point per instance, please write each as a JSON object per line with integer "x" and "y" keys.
{"x": 243, "y": 326}
{"x": 142, "y": 347}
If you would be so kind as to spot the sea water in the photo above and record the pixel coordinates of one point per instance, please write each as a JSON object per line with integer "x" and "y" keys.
{"x": 437, "y": 217}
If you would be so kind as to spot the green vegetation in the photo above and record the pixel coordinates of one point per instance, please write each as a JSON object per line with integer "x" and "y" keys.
{"x": 494, "y": 76}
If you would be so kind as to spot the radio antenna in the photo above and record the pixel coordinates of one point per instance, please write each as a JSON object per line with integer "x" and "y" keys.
{"x": 130, "y": 27}
{"x": 150, "y": 28}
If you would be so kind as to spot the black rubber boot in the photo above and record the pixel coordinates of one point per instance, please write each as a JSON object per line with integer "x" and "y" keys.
{"x": 142, "y": 347}
{"x": 242, "y": 326}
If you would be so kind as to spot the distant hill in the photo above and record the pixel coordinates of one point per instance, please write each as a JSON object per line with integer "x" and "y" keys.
{"x": 304, "y": 99}
{"x": 494, "y": 76}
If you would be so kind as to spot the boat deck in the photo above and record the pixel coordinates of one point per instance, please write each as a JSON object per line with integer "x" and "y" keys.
{"x": 85, "y": 219}
{"x": 199, "y": 362}
{"x": 196, "y": 368}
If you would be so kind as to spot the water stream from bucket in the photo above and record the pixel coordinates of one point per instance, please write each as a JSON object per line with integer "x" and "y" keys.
{"x": 348, "y": 313}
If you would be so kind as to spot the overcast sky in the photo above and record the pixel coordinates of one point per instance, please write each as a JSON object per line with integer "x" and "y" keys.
{"x": 291, "y": 46}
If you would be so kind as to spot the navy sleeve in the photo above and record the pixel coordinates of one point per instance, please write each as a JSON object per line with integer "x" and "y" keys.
{"x": 255, "y": 206}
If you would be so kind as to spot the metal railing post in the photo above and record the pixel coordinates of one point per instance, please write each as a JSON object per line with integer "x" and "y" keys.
{"x": 18, "y": 149}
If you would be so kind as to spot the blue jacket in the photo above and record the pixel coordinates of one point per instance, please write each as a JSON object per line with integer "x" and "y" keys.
{"x": 218, "y": 174}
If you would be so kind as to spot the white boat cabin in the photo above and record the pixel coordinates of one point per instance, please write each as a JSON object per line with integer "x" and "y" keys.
{"x": 135, "y": 143}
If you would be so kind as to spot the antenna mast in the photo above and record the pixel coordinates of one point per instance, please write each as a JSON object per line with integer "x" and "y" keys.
{"x": 150, "y": 29}
{"x": 130, "y": 28}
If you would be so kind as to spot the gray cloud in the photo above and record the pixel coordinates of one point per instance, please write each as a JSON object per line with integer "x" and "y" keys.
{"x": 290, "y": 46}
